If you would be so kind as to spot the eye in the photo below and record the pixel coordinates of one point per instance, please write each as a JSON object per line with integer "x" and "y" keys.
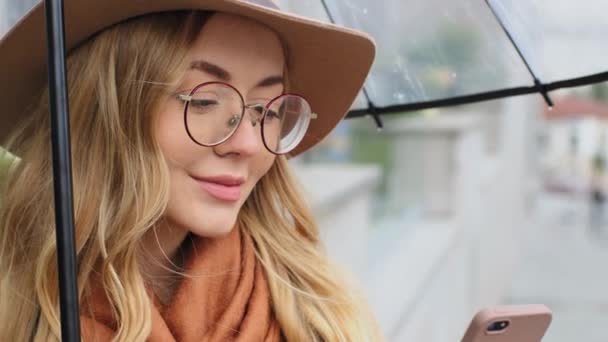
{"x": 233, "y": 121}
{"x": 203, "y": 105}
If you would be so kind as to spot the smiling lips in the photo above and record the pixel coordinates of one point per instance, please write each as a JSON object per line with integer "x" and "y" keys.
{"x": 224, "y": 188}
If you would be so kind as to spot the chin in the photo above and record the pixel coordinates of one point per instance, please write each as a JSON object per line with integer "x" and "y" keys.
{"x": 212, "y": 232}
{"x": 217, "y": 227}
{"x": 205, "y": 217}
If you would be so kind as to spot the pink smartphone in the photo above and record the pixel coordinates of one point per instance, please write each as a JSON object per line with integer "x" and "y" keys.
{"x": 509, "y": 323}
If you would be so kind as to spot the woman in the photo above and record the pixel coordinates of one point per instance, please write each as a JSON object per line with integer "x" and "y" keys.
{"x": 189, "y": 225}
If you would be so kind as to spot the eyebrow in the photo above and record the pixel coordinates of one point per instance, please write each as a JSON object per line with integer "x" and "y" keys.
{"x": 223, "y": 75}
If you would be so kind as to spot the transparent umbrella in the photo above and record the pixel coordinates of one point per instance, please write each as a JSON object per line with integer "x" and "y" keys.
{"x": 431, "y": 53}
{"x": 436, "y": 53}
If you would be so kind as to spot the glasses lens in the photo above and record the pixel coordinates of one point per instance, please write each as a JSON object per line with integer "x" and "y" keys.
{"x": 214, "y": 113}
{"x": 285, "y": 123}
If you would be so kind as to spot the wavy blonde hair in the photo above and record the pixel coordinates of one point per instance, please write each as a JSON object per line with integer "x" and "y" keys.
{"x": 120, "y": 178}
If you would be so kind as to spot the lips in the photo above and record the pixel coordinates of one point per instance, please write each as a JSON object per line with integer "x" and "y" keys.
{"x": 224, "y": 188}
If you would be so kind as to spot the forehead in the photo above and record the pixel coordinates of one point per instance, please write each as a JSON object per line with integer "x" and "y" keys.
{"x": 243, "y": 47}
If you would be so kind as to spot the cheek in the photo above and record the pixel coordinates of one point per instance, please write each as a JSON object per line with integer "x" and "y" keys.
{"x": 165, "y": 129}
{"x": 258, "y": 169}
{"x": 263, "y": 165}
{"x": 171, "y": 136}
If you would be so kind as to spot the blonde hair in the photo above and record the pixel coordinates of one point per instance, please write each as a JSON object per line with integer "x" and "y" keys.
{"x": 121, "y": 186}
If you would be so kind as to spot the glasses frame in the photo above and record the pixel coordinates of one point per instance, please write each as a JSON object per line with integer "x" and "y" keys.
{"x": 188, "y": 98}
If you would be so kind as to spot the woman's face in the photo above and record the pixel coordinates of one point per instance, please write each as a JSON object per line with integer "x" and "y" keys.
{"x": 210, "y": 184}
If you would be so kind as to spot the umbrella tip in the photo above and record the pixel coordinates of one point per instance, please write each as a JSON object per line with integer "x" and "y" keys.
{"x": 550, "y": 108}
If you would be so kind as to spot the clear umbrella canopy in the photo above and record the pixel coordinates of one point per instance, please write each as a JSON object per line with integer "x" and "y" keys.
{"x": 430, "y": 51}
{"x": 433, "y": 50}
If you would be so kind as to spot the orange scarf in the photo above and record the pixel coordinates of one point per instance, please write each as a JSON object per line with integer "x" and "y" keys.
{"x": 224, "y": 298}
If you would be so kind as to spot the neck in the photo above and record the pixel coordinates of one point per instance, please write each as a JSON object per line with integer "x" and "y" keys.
{"x": 163, "y": 257}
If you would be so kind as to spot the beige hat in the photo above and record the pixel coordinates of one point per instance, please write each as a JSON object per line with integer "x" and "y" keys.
{"x": 327, "y": 63}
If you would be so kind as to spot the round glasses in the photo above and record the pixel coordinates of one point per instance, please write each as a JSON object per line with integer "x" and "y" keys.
{"x": 214, "y": 110}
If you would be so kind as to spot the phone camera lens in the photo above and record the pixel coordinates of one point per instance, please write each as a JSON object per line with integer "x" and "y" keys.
{"x": 498, "y": 326}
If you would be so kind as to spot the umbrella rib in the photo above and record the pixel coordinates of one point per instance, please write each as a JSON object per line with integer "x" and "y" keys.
{"x": 484, "y": 96}
{"x": 445, "y": 102}
{"x": 578, "y": 81}
{"x": 371, "y": 107}
{"x": 537, "y": 83}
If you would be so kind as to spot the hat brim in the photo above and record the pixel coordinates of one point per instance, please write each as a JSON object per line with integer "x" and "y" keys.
{"x": 327, "y": 63}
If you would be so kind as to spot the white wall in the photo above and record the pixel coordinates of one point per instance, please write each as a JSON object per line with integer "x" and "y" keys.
{"x": 426, "y": 278}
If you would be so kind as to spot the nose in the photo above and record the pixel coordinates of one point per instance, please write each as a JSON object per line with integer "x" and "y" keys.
{"x": 247, "y": 139}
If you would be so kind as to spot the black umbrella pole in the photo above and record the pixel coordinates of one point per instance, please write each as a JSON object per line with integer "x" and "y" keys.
{"x": 62, "y": 173}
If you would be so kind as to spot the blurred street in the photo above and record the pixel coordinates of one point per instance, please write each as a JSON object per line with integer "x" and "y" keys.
{"x": 564, "y": 267}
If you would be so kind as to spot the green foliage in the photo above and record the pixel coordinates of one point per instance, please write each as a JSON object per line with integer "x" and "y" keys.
{"x": 377, "y": 150}
{"x": 372, "y": 147}
{"x": 600, "y": 91}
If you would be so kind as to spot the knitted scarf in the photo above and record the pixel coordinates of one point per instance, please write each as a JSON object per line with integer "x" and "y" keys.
{"x": 225, "y": 297}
